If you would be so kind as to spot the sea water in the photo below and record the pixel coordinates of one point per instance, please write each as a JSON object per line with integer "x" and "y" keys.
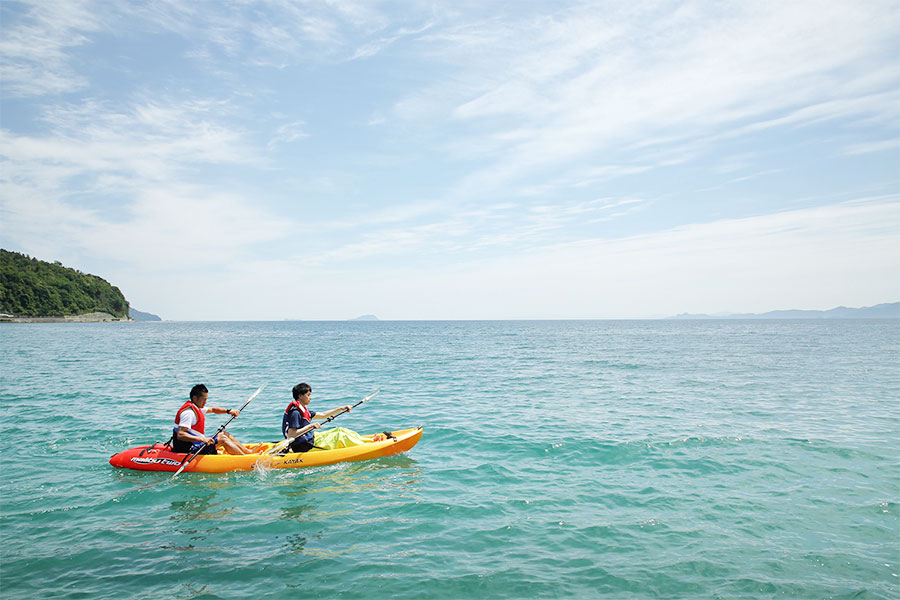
{"x": 560, "y": 459}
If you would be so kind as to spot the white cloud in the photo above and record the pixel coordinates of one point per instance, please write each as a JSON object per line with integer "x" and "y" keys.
{"x": 164, "y": 228}
{"x": 585, "y": 83}
{"x": 870, "y": 147}
{"x": 376, "y": 46}
{"x": 552, "y": 121}
{"x": 813, "y": 258}
{"x": 111, "y": 184}
{"x": 34, "y": 52}
{"x": 440, "y": 231}
{"x": 288, "y": 133}
{"x": 39, "y": 36}
{"x": 809, "y": 259}
{"x": 147, "y": 141}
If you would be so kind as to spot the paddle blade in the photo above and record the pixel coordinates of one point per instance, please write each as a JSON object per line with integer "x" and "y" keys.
{"x": 370, "y": 396}
{"x": 255, "y": 394}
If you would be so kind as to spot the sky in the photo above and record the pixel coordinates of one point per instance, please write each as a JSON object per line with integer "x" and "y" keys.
{"x": 327, "y": 159}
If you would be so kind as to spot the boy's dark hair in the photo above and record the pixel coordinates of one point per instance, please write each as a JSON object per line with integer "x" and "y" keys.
{"x": 197, "y": 390}
{"x": 300, "y": 389}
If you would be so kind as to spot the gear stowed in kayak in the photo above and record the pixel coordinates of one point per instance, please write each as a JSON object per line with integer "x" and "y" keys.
{"x": 160, "y": 457}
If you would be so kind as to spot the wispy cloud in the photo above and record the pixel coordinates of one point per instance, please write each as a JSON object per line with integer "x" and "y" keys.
{"x": 163, "y": 228}
{"x": 744, "y": 265}
{"x": 111, "y": 182}
{"x": 150, "y": 140}
{"x": 870, "y": 147}
{"x": 374, "y": 47}
{"x": 582, "y": 84}
{"x": 436, "y": 233}
{"x": 39, "y": 36}
{"x": 35, "y": 52}
{"x": 513, "y": 143}
{"x": 757, "y": 264}
{"x": 288, "y": 133}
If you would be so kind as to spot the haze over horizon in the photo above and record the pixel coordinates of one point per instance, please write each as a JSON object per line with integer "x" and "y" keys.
{"x": 277, "y": 160}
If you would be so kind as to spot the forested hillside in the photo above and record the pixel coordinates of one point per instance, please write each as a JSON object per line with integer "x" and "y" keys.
{"x": 34, "y": 288}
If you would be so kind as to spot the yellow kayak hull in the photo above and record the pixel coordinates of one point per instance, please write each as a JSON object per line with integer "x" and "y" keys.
{"x": 159, "y": 458}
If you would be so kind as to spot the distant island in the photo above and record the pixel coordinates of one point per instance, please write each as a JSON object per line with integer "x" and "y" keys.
{"x": 365, "y": 318}
{"x": 889, "y": 310}
{"x": 36, "y": 290}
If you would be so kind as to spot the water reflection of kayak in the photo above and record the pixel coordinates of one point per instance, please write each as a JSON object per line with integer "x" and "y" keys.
{"x": 159, "y": 458}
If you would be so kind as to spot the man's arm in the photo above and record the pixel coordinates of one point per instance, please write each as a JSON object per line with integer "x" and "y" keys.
{"x": 186, "y": 435}
{"x": 223, "y": 411}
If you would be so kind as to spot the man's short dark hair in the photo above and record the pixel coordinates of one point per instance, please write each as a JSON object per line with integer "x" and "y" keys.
{"x": 198, "y": 390}
{"x": 300, "y": 389}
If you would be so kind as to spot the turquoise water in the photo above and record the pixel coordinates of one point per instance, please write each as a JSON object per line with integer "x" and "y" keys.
{"x": 597, "y": 459}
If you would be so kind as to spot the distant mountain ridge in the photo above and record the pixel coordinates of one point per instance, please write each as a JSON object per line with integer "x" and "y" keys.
{"x": 142, "y": 316}
{"x": 890, "y": 310}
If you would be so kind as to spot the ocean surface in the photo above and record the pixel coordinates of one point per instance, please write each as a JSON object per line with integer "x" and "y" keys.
{"x": 560, "y": 459}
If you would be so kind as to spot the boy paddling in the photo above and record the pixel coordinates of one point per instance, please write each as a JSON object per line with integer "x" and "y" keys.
{"x": 297, "y": 419}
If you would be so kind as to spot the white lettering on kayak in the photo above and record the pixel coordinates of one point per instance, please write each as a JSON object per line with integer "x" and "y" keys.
{"x": 155, "y": 461}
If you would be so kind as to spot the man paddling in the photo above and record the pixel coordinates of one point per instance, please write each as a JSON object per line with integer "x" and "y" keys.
{"x": 190, "y": 422}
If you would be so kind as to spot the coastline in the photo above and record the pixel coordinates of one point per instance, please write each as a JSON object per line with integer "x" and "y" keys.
{"x": 94, "y": 317}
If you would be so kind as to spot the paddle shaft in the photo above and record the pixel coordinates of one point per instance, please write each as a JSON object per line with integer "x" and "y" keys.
{"x": 309, "y": 427}
{"x": 221, "y": 429}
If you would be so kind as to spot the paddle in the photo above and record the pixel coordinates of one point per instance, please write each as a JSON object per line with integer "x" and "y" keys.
{"x": 221, "y": 429}
{"x": 287, "y": 442}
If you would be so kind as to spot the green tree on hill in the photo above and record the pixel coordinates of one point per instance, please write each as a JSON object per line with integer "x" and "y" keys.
{"x": 33, "y": 288}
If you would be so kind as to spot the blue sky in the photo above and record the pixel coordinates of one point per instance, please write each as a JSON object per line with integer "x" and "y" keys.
{"x": 458, "y": 160}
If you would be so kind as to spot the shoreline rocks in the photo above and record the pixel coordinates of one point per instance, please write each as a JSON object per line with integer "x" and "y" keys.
{"x": 94, "y": 317}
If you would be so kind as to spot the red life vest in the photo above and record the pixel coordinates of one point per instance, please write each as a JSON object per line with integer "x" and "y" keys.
{"x": 200, "y": 425}
{"x": 303, "y": 410}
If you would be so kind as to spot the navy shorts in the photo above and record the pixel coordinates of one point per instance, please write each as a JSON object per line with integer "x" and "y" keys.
{"x": 186, "y": 448}
{"x": 300, "y": 445}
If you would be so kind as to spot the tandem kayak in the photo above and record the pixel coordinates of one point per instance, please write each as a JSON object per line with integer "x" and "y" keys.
{"x": 160, "y": 458}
